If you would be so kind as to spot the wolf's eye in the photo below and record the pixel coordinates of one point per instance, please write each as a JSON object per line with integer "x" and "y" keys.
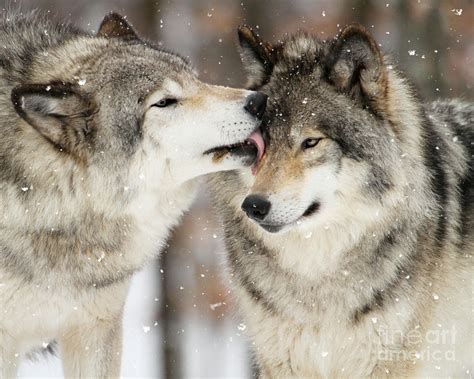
{"x": 165, "y": 102}
{"x": 310, "y": 142}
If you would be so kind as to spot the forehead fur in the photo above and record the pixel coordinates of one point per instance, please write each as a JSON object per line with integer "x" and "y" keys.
{"x": 61, "y": 52}
{"x": 302, "y": 97}
{"x": 99, "y": 55}
{"x": 299, "y": 54}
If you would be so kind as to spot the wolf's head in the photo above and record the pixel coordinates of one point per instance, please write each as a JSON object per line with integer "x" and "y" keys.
{"x": 116, "y": 103}
{"x": 332, "y": 129}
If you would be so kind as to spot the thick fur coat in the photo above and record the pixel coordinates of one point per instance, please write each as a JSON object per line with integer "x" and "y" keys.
{"x": 102, "y": 137}
{"x": 356, "y": 259}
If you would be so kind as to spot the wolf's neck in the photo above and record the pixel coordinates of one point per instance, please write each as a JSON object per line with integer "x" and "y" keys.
{"x": 349, "y": 271}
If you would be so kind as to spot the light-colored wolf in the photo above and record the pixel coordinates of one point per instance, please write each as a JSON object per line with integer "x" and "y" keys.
{"x": 101, "y": 137}
{"x": 356, "y": 259}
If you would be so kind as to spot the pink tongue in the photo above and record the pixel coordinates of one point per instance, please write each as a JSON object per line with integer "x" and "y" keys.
{"x": 257, "y": 139}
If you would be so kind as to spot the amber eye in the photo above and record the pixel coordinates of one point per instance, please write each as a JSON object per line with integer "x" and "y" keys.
{"x": 309, "y": 143}
{"x": 165, "y": 102}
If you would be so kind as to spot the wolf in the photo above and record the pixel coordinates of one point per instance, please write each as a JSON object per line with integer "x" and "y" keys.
{"x": 102, "y": 140}
{"x": 351, "y": 247}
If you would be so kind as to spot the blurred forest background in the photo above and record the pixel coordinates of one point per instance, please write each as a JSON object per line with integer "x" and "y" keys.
{"x": 180, "y": 321}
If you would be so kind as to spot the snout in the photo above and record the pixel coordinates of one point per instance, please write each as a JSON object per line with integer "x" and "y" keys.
{"x": 256, "y": 207}
{"x": 256, "y": 103}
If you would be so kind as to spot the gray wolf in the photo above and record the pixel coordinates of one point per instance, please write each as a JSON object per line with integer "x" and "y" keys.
{"x": 102, "y": 139}
{"x": 356, "y": 258}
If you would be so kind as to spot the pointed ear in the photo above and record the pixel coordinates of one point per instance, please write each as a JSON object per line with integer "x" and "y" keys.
{"x": 58, "y": 112}
{"x": 258, "y": 57}
{"x": 115, "y": 26}
{"x": 355, "y": 66}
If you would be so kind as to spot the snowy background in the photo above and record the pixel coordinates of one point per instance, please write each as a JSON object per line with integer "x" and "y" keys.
{"x": 179, "y": 319}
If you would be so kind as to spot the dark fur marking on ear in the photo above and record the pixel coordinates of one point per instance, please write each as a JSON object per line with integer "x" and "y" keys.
{"x": 59, "y": 112}
{"x": 258, "y": 56}
{"x": 115, "y": 26}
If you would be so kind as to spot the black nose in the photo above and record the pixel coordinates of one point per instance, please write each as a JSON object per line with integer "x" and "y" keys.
{"x": 256, "y": 104}
{"x": 256, "y": 207}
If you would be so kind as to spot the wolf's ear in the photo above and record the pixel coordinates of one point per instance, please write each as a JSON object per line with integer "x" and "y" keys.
{"x": 57, "y": 111}
{"x": 115, "y": 26}
{"x": 355, "y": 66}
{"x": 258, "y": 57}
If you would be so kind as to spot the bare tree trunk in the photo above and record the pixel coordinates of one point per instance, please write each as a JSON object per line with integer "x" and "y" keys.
{"x": 427, "y": 73}
{"x": 435, "y": 39}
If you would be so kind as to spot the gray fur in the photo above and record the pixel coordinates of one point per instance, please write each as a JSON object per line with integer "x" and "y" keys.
{"x": 320, "y": 296}
{"x": 93, "y": 177}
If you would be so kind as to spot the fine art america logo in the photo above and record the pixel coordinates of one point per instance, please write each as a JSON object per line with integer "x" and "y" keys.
{"x": 431, "y": 345}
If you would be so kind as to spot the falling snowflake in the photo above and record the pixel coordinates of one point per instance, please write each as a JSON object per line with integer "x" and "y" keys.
{"x": 101, "y": 258}
{"x": 457, "y": 12}
{"x": 242, "y": 327}
{"x": 146, "y": 329}
{"x": 411, "y": 52}
{"x": 215, "y": 305}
